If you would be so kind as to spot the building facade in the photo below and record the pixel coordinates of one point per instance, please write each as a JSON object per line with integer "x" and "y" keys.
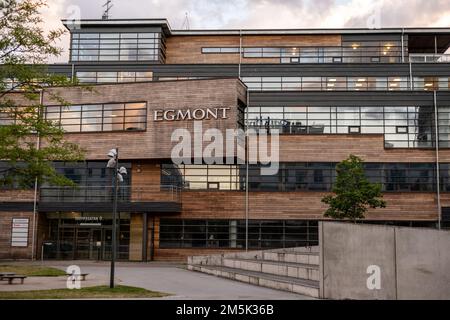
{"x": 379, "y": 94}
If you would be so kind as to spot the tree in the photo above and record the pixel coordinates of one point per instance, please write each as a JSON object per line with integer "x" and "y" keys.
{"x": 354, "y": 194}
{"x": 28, "y": 142}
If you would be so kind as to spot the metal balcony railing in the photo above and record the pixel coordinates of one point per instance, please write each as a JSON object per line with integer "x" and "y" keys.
{"x": 105, "y": 194}
{"x": 429, "y": 58}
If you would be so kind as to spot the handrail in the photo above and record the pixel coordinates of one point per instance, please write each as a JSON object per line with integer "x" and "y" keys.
{"x": 429, "y": 58}
{"x": 149, "y": 193}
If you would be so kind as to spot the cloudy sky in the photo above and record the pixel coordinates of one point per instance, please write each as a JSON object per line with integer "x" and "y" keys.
{"x": 260, "y": 14}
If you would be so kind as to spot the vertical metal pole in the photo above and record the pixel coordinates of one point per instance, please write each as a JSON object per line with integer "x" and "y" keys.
{"x": 435, "y": 46}
{"x": 438, "y": 166}
{"x": 240, "y": 53}
{"x": 247, "y": 159}
{"x": 411, "y": 79}
{"x": 403, "y": 45}
{"x": 114, "y": 228}
{"x": 38, "y": 146}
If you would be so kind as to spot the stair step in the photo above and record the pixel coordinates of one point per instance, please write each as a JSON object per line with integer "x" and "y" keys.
{"x": 311, "y": 258}
{"x": 294, "y": 270}
{"x": 295, "y": 285}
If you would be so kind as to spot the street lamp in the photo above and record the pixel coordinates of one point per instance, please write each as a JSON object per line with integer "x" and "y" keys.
{"x": 113, "y": 164}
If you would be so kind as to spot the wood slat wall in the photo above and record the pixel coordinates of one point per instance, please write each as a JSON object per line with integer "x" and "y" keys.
{"x": 188, "y": 49}
{"x": 335, "y": 148}
{"x": 299, "y": 206}
{"x": 17, "y": 195}
{"x": 136, "y": 237}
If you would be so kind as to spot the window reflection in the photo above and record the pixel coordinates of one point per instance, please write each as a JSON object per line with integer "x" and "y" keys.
{"x": 97, "y": 118}
{"x": 403, "y": 127}
{"x": 393, "y": 177}
{"x": 116, "y": 47}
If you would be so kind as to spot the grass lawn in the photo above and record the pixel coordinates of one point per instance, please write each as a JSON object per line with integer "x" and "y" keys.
{"x": 103, "y": 292}
{"x": 33, "y": 271}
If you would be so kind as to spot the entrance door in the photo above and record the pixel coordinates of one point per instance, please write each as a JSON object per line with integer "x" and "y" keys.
{"x": 107, "y": 244}
{"x": 66, "y": 244}
{"x": 96, "y": 249}
{"x": 83, "y": 244}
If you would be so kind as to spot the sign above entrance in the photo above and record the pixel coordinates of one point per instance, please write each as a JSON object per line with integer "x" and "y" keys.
{"x": 89, "y": 221}
{"x": 191, "y": 114}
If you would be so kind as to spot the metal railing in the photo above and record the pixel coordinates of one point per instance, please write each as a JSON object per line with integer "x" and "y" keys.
{"x": 429, "y": 58}
{"x": 102, "y": 194}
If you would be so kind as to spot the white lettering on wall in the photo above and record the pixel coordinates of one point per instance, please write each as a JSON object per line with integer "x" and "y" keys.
{"x": 194, "y": 114}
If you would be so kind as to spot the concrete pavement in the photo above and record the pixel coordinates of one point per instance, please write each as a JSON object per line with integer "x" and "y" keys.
{"x": 163, "y": 277}
{"x": 181, "y": 283}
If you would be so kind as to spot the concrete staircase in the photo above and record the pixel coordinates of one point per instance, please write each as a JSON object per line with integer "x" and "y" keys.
{"x": 295, "y": 270}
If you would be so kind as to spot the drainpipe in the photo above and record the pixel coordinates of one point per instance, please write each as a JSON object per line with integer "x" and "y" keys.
{"x": 35, "y": 200}
{"x": 438, "y": 167}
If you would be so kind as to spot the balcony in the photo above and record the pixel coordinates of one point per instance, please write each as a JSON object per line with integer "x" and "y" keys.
{"x": 429, "y": 58}
{"x": 145, "y": 199}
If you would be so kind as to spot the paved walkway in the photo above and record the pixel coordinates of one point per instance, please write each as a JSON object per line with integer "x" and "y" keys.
{"x": 176, "y": 280}
{"x": 48, "y": 283}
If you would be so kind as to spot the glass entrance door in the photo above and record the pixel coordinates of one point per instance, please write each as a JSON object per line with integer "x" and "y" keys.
{"x": 107, "y": 244}
{"x": 83, "y": 244}
{"x": 76, "y": 239}
{"x": 96, "y": 248}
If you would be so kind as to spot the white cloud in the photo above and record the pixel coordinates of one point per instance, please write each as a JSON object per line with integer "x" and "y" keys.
{"x": 263, "y": 14}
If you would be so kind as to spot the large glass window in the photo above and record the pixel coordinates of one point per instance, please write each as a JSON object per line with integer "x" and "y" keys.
{"x": 100, "y": 117}
{"x": 402, "y": 127}
{"x": 343, "y": 83}
{"x": 201, "y": 177}
{"x": 116, "y": 47}
{"x": 177, "y": 233}
{"x": 350, "y": 52}
{"x": 93, "y": 183}
{"x": 114, "y": 76}
{"x": 292, "y": 177}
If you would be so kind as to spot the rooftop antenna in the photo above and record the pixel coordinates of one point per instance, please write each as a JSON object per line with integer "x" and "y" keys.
{"x": 186, "y": 24}
{"x": 108, "y": 6}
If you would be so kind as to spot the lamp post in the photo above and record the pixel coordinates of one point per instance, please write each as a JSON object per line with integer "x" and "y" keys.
{"x": 113, "y": 164}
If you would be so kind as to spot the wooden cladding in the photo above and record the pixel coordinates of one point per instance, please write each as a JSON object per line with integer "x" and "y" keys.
{"x": 155, "y": 143}
{"x": 188, "y": 49}
{"x": 335, "y": 148}
{"x": 298, "y": 206}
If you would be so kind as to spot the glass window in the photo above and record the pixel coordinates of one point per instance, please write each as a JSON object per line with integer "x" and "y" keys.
{"x": 105, "y": 47}
{"x": 97, "y": 118}
{"x": 311, "y": 83}
{"x": 210, "y": 50}
{"x": 253, "y": 52}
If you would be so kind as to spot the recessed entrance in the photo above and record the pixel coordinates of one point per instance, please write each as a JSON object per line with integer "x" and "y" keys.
{"x": 77, "y": 236}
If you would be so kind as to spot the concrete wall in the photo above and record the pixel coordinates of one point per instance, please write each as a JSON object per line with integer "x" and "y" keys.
{"x": 423, "y": 264}
{"x": 414, "y": 263}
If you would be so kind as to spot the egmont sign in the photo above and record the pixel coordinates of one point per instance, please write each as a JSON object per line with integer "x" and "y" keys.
{"x": 191, "y": 114}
